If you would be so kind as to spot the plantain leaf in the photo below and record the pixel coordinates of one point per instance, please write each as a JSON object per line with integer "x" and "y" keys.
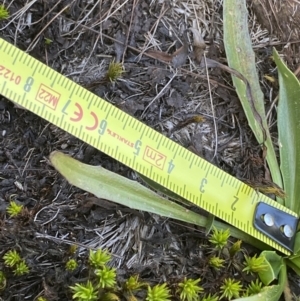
{"x": 288, "y": 122}
{"x": 113, "y": 187}
{"x": 274, "y": 263}
{"x": 241, "y": 57}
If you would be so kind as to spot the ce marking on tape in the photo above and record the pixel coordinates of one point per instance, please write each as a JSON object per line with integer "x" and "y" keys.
{"x": 276, "y": 224}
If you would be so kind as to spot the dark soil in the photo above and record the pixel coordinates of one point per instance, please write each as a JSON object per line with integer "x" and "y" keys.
{"x": 86, "y": 36}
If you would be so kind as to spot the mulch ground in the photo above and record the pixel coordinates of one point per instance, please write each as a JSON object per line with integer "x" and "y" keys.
{"x": 164, "y": 86}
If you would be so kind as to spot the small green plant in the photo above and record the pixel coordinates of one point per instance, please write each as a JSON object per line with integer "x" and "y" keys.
{"x": 71, "y": 265}
{"x": 115, "y": 70}
{"x": 219, "y": 238}
{"x": 14, "y": 260}
{"x": 133, "y": 284}
{"x": 254, "y": 288}
{"x": 21, "y": 268}
{"x": 14, "y": 209}
{"x": 235, "y": 248}
{"x": 107, "y": 277}
{"x": 84, "y": 292}
{"x": 216, "y": 262}
{"x": 254, "y": 264}
{"x": 189, "y": 289}
{"x": 72, "y": 249}
{"x": 230, "y": 289}
{"x": 11, "y": 258}
{"x": 159, "y": 292}
{"x": 2, "y": 281}
{"x": 4, "y": 13}
{"x": 41, "y": 299}
{"x": 109, "y": 296}
{"x": 99, "y": 258}
{"x": 210, "y": 297}
{"x": 48, "y": 41}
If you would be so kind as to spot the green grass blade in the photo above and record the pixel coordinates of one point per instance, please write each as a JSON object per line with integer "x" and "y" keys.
{"x": 288, "y": 122}
{"x": 241, "y": 57}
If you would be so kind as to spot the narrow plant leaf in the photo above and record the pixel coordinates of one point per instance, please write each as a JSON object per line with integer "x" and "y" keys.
{"x": 294, "y": 260}
{"x": 113, "y": 187}
{"x": 240, "y": 56}
{"x": 288, "y": 123}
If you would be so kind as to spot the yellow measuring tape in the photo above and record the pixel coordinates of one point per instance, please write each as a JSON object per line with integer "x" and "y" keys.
{"x": 64, "y": 103}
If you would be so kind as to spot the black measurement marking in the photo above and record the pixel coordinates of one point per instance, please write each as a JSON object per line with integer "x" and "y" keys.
{"x": 125, "y": 121}
{"x": 5, "y": 48}
{"x": 54, "y": 80}
{"x": 108, "y": 112}
{"x": 42, "y": 67}
{"x": 48, "y": 71}
{"x": 21, "y": 58}
{"x": 192, "y": 162}
{"x": 13, "y": 53}
{"x": 77, "y": 89}
{"x": 52, "y": 73}
{"x": 80, "y": 94}
{"x": 233, "y": 207}
{"x": 207, "y": 171}
{"x": 15, "y": 57}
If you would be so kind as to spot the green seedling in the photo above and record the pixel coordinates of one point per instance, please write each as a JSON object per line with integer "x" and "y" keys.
{"x": 14, "y": 209}
{"x": 109, "y": 297}
{"x": 99, "y": 258}
{"x": 48, "y": 41}
{"x": 11, "y": 258}
{"x": 189, "y": 289}
{"x": 41, "y": 299}
{"x": 72, "y": 250}
{"x": 159, "y": 292}
{"x": 219, "y": 238}
{"x": 115, "y": 70}
{"x": 21, "y": 268}
{"x": 4, "y": 13}
{"x": 230, "y": 289}
{"x": 210, "y": 297}
{"x": 2, "y": 281}
{"x": 133, "y": 284}
{"x": 84, "y": 292}
{"x": 216, "y": 262}
{"x": 106, "y": 276}
{"x": 254, "y": 288}
{"x": 71, "y": 265}
{"x": 254, "y": 264}
{"x": 235, "y": 248}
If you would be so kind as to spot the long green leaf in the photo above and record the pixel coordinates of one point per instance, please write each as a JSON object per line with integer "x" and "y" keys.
{"x": 241, "y": 57}
{"x": 294, "y": 260}
{"x": 288, "y": 122}
{"x": 110, "y": 186}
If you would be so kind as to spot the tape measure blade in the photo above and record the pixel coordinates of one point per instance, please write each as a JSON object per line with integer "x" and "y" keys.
{"x": 62, "y": 102}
